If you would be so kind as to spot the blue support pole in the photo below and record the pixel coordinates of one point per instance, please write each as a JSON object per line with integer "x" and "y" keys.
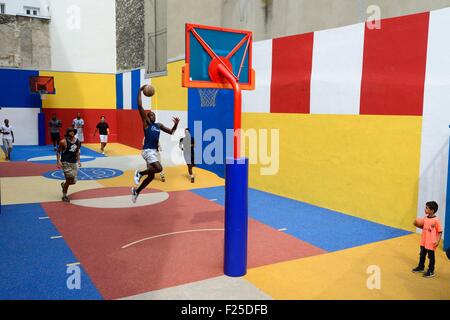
{"x": 41, "y": 128}
{"x": 236, "y": 217}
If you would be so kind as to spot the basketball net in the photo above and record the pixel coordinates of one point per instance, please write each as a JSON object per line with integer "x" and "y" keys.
{"x": 207, "y": 97}
{"x": 43, "y": 94}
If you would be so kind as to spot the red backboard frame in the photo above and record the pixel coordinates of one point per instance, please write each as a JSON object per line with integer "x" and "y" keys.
{"x": 42, "y": 85}
{"x": 223, "y": 84}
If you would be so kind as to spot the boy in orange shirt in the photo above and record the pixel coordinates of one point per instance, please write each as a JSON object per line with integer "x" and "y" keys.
{"x": 431, "y": 236}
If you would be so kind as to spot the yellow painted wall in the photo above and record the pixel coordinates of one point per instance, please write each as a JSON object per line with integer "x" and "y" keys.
{"x": 365, "y": 166}
{"x": 82, "y": 91}
{"x": 170, "y": 95}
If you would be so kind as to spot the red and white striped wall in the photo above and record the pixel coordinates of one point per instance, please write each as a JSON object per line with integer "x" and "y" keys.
{"x": 402, "y": 69}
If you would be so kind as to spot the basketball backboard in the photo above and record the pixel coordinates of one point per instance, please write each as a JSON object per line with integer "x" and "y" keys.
{"x": 207, "y": 46}
{"x": 42, "y": 85}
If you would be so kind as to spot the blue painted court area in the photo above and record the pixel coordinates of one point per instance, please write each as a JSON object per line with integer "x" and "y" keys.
{"x": 33, "y": 266}
{"x": 86, "y": 174}
{"x": 323, "y": 228}
{"x": 25, "y": 153}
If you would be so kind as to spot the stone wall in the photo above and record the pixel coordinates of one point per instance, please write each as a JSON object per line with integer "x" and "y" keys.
{"x": 130, "y": 34}
{"x": 25, "y": 42}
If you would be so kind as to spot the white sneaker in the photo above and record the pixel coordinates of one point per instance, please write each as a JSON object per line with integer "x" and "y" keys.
{"x": 134, "y": 195}
{"x": 137, "y": 177}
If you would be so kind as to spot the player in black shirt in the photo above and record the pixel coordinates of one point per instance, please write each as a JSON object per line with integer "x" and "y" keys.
{"x": 67, "y": 157}
{"x": 103, "y": 129}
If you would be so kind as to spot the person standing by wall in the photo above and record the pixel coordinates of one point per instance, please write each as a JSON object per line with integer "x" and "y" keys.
{"x": 54, "y": 126}
{"x": 8, "y": 139}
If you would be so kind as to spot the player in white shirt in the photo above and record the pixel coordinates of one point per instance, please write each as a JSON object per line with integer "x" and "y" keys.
{"x": 78, "y": 124}
{"x": 8, "y": 139}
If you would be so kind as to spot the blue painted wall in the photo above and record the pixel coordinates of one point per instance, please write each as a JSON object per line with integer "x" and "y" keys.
{"x": 15, "y": 90}
{"x": 135, "y": 86}
{"x": 219, "y": 117}
{"x": 119, "y": 91}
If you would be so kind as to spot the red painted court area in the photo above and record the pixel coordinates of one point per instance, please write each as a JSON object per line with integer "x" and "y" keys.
{"x": 24, "y": 169}
{"x": 183, "y": 249}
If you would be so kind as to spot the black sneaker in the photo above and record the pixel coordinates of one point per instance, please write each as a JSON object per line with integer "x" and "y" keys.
{"x": 65, "y": 199}
{"x": 192, "y": 180}
{"x": 428, "y": 274}
{"x": 417, "y": 270}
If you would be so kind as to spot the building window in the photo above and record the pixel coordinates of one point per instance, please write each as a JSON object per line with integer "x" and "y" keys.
{"x": 156, "y": 31}
{"x": 31, "y": 11}
{"x": 2, "y": 8}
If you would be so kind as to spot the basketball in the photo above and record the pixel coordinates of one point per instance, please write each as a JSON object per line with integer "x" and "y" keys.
{"x": 149, "y": 91}
{"x": 418, "y": 222}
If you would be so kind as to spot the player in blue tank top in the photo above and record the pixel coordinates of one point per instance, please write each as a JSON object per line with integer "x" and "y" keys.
{"x": 152, "y": 130}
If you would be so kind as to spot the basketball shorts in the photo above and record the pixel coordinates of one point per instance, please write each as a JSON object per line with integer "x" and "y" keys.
{"x": 70, "y": 170}
{"x": 103, "y": 138}
{"x": 150, "y": 156}
{"x": 80, "y": 136}
{"x": 7, "y": 143}
{"x": 55, "y": 136}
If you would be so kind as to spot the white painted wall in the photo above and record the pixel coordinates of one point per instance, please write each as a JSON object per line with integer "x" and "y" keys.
{"x": 436, "y": 116}
{"x": 258, "y": 100}
{"x": 146, "y": 101}
{"x": 337, "y": 70}
{"x": 83, "y": 35}
{"x": 127, "y": 96}
{"x": 16, "y": 7}
{"x": 24, "y": 122}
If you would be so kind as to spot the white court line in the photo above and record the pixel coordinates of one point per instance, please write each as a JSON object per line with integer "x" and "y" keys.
{"x": 168, "y": 234}
{"x": 42, "y": 218}
{"x": 212, "y": 199}
{"x": 73, "y": 264}
{"x": 282, "y": 229}
{"x": 56, "y": 237}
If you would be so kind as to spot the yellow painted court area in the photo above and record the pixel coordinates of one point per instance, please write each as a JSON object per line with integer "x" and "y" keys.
{"x": 114, "y": 149}
{"x": 344, "y": 274}
{"x": 366, "y": 166}
{"x": 81, "y": 91}
{"x": 20, "y": 190}
{"x": 176, "y": 180}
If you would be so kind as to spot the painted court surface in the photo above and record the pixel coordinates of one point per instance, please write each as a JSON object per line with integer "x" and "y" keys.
{"x": 169, "y": 245}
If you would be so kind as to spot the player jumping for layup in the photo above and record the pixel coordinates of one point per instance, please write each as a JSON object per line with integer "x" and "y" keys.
{"x": 150, "y": 148}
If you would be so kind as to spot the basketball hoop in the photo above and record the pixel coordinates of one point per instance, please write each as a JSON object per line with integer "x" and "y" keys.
{"x": 42, "y": 85}
{"x": 207, "y": 97}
